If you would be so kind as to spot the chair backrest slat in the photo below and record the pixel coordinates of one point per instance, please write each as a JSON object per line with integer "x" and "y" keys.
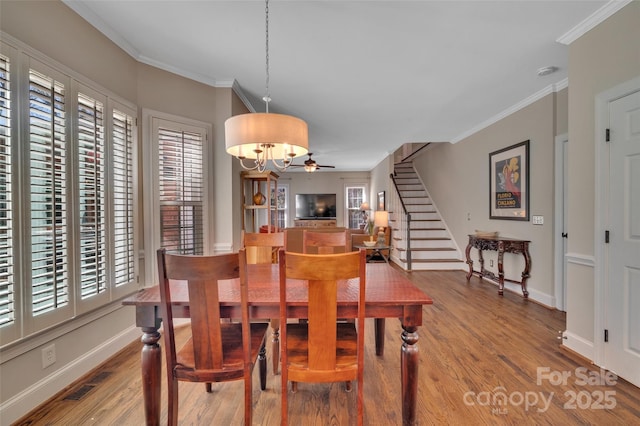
{"x": 263, "y": 247}
{"x": 202, "y": 275}
{"x": 325, "y": 273}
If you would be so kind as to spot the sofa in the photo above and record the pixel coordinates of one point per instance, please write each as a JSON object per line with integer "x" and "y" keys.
{"x": 355, "y": 237}
{"x": 294, "y": 236}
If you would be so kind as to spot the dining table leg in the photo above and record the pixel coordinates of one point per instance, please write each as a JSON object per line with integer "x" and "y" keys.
{"x": 379, "y": 335}
{"x": 409, "y": 361}
{"x": 148, "y": 320}
{"x": 275, "y": 344}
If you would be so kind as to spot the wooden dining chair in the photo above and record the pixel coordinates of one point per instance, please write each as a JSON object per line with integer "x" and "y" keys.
{"x": 263, "y": 248}
{"x": 324, "y": 242}
{"x": 217, "y": 351}
{"x": 322, "y": 349}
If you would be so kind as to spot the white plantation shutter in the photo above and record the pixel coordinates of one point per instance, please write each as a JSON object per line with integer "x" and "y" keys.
{"x": 48, "y": 189}
{"x": 91, "y": 196}
{"x": 123, "y": 197}
{"x": 181, "y": 190}
{"x": 67, "y": 189}
{"x": 7, "y": 277}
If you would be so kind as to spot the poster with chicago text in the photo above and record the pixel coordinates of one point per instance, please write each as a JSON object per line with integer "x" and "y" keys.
{"x": 509, "y": 182}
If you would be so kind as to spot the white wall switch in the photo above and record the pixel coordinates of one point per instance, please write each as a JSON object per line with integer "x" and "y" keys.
{"x": 537, "y": 220}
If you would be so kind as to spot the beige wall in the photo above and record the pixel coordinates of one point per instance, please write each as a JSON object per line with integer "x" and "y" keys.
{"x": 603, "y": 58}
{"x": 380, "y": 181}
{"x": 457, "y": 178}
{"x": 321, "y": 182}
{"x": 70, "y": 40}
{"x": 232, "y": 168}
{"x": 562, "y": 112}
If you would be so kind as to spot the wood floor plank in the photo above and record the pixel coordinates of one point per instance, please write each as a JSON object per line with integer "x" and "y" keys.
{"x": 473, "y": 345}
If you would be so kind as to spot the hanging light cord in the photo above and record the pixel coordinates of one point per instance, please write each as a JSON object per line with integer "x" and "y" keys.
{"x": 267, "y": 96}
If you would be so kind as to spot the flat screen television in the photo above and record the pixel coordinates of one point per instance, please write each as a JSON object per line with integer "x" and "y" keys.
{"x": 315, "y": 206}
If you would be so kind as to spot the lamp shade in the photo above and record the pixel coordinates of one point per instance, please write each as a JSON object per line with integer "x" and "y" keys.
{"x": 364, "y": 206}
{"x": 288, "y": 136}
{"x": 381, "y": 218}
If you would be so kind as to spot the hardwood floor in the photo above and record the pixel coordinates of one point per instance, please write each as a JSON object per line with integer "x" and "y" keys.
{"x": 474, "y": 346}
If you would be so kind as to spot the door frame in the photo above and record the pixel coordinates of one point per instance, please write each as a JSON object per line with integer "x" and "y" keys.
{"x": 601, "y": 213}
{"x": 560, "y": 198}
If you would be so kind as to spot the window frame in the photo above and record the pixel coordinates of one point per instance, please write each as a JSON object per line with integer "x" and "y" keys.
{"x": 347, "y": 210}
{"x": 151, "y": 121}
{"x": 24, "y": 324}
{"x": 284, "y": 189}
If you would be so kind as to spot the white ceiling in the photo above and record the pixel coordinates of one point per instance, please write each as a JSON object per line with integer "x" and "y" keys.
{"x": 367, "y": 76}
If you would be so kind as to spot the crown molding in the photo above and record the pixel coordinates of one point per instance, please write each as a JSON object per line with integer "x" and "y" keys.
{"x": 592, "y": 21}
{"x": 237, "y": 89}
{"x": 88, "y": 15}
{"x": 553, "y": 88}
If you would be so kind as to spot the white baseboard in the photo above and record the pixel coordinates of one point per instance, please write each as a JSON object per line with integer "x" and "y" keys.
{"x": 538, "y": 296}
{"x": 578, "y": 345}
{"x": 27, "y": 400}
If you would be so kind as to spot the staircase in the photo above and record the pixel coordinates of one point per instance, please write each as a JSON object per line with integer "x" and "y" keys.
{"x": 430, "y": 244}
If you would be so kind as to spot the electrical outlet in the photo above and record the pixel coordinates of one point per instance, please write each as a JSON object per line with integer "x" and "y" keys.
{"x": 491, "y": 263}
{"x": 48, "y": 355}
{"x": 537, "y": 220}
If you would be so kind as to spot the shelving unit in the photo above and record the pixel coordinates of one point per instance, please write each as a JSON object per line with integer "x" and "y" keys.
{"x": 254, "y": 213}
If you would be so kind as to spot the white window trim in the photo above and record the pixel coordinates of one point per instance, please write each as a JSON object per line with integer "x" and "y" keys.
{"x": 150, "y": 120}
{"x": 26, "y": 328}
{"x": 363, "y": 184}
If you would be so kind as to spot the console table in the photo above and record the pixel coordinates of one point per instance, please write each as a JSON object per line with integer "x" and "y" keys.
{"x": 501, "y": 245}
{"x": 376, "y": 252}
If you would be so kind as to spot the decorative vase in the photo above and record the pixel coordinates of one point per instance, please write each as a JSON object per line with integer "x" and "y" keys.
{"x": 259, "y": 199}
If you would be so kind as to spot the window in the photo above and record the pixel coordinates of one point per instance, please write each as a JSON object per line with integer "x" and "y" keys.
{"x": 181, "y": 190}
{"x": 48, "y": 166}
{"x": 7, "y": 276}
{"x": 282, "y": 205}
{"x": 67, "y": 182}
{"x": 175, "y": 165}
{"x": 91, "y": 199}
{"x": 355, "y": 196}
{"x": 123, "y": 132}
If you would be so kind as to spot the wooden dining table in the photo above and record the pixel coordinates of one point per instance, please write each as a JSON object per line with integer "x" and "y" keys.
{"x": 389, "y": 294}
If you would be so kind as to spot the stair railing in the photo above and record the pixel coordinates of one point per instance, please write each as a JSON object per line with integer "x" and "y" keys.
{"x": 405, "y": 221}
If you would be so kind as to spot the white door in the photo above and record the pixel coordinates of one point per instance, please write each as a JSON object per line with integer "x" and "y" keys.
{"x": 622, "y": 291}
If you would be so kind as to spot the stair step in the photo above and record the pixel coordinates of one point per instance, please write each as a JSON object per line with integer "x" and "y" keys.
{"x": 431, "y": 260}
{"x": 431, "y": 245}
{"x": 430, "y": 249}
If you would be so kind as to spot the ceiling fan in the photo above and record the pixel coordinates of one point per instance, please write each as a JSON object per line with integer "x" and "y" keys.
{"x": 310, "y": 165}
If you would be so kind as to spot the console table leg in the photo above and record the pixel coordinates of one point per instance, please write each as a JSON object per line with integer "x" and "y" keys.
{"x": 467, "y": 253}
{"x": 409, "y": 366}
{"x": 525, "y": 272}
{"x": 500, "y": 270}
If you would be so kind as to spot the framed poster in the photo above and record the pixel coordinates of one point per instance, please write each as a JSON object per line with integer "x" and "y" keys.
{"x": 509, "y": 182}
{"x": 381, "y": 205}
